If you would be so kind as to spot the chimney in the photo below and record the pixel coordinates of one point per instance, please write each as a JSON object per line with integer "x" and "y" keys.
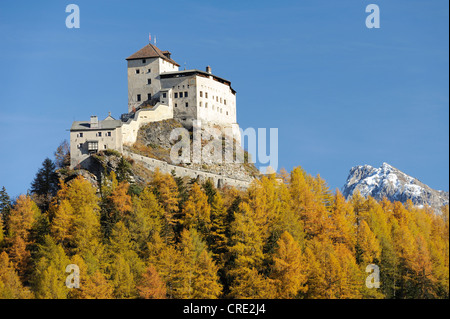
{"x": 208, "y": 69}
{"x": 94, "y": 121}
{"x": 166, "y": 53}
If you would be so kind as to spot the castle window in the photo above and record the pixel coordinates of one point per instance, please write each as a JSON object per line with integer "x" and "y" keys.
{"x": 105, "y": 147}
{"x": 99, "y": 134}
{"x": 137, "y": 71}
{"x": 187, "y": 104}
{"x": 225, "y": 102}
{"x": 185, "y": 94}
{"x": 206, "y": 105}
{"x": 200, "y": 103}
{"x": 80, "y": 145}
{"x": 175, "y": 95}
{"x": 108, "y": 134}
{"x": 138, "y": 97}
{"x": 206, "y": 94}
{"x": 149, "y": 81}
{"x": 217, "y": 99}
{"x": 227, "y": 112}
{"x": 92, "y": 146}
{"x": 80, "y": 135}
{"x": 164, "y": 95}
{"x": 176, "y": 105}
{"x": 149, "y": 96}
{"x": 181, "y": 94}
{"x": 220, "y": 100}
{"x": 201, "y": 94}
{"x": 149, "y": 71}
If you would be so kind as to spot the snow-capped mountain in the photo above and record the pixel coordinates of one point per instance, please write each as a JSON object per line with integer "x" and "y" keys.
{"x": 387, "y": 181}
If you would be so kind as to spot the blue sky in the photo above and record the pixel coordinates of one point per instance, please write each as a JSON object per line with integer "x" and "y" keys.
{"x": 339, "y": 93}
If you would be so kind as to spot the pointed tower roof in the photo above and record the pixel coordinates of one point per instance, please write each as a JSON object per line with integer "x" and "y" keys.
{"x": 151, "y": 51}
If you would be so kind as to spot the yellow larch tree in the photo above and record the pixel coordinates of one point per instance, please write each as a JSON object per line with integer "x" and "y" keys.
{"x": 367, "y": 248}
{"x": 93, "y": 283}
{"x": 196, "y": 212}
{"x": 166, "y": 190}
{"x": 288, "y": 270}
{"x": 423, "y": 278}
{"x": 343, "y": 222}
{"x": 145, "y": 219}
{"x": 206, "y": 281}
{"x": 10, "y": 285}
{"x": 22, "y": 217}
{"x": 216, "y": 239}
{"x": 62, "y": 224}
{"x": 310, "y": 207}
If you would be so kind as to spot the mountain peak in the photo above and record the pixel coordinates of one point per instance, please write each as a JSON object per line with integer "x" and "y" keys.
{"x": 388, "y": 181}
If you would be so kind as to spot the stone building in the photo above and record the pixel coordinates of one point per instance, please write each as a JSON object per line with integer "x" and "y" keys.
{"x": 89, "y": 137}
{"x": 157, "y": 90}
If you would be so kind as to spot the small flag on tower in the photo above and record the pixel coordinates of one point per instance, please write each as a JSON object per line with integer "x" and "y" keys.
{"x": 149, "y": 38}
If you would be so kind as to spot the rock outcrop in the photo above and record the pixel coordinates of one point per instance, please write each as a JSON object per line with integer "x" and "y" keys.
{"x": 154, "y": 141}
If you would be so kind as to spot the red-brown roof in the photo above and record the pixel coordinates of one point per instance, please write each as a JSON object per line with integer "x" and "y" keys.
{"x": 150, "y": 51}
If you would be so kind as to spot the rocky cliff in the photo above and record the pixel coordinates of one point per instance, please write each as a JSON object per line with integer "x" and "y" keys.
{"x": 153, "y": 141}
{"x": 387, "y": 181}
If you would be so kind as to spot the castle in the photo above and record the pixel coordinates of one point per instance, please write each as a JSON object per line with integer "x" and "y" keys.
{"x": 157, "y": 90}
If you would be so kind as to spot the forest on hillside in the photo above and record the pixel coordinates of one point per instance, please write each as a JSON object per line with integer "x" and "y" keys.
{"x": 288, "y": 237}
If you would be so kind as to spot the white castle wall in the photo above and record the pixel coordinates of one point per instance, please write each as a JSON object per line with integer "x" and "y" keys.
{"x": 216, "y": 103}
{"x": 218, "y": 180}
{"x": 130, "y": 129}
{"x": 208, "y": 100}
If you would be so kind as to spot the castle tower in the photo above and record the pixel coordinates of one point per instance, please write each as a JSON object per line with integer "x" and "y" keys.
{"x": 144, "y": 68}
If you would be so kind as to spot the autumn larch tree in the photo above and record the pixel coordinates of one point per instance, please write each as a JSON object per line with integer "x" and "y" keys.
{"x": 10, "y": 285}
{"x": 23, "y": 217}
{"x": 151, "y": 285}
{"x": 49, "y": 275}
{"x": 166, "y": 190}
{"x": 289, "y": 271}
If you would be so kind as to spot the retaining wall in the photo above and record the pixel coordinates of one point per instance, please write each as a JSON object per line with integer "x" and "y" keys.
{"x": 164, "y": 167}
